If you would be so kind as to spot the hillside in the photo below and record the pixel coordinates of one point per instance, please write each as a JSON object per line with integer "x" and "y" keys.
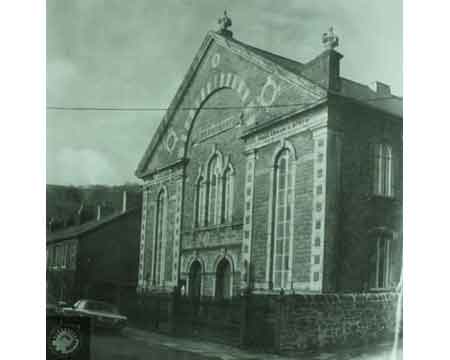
{"x": 63, "y": 202}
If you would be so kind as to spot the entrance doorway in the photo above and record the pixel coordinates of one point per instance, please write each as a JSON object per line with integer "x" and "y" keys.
{"x": 223, "y": 280}
{"x": 195, "y": 280}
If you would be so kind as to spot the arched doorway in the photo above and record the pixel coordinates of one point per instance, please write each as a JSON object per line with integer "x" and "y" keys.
{"x": 195, "y": 279}
{"x": 223, "y": 280}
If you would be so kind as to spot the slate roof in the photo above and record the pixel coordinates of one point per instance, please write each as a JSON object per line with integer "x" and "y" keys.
{"x": 360, "y": 92}
{"x": 289, "y": 64}
{"x": 74, "y": 231}
{"x": 349, "y": 88}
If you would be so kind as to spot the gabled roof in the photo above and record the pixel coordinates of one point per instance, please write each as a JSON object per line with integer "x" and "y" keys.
{"x": 282, "y": 66}
{"x": 291, "y": 69}
{"x": 75, "y": 231}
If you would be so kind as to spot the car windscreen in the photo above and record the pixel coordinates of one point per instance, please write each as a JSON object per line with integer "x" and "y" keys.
{"x": 100, "y": 306}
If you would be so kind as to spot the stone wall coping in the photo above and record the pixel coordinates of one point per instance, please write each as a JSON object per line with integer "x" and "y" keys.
{"x": 338, "y": 298}
{"x": 332, "y": 298}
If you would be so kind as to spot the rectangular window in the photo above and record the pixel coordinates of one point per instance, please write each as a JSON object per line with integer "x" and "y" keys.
{"x": 58, "y": 255}
{"x": 383, "y": 182}
{"x": 71, "y": 256}
{"x": 382, "y": 261}
{"x": 63, "y": 255}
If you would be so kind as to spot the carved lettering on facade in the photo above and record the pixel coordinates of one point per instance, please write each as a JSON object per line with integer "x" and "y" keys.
{"x": 218, "y": 128}
{"x": 286, "y": 129}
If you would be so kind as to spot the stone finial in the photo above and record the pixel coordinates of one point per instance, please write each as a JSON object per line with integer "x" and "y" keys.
{"x": 224, "y": 23}
{"x": 330, "y": 40}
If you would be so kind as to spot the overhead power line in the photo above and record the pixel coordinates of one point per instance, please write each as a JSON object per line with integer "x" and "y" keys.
{"x": 117, "y": 108}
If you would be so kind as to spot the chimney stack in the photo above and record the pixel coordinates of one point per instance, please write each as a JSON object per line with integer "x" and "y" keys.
{"x": 325, "y": 68}
{"x": 124, "y": 201}
{"x": 79, "y": 217}
{"x": 99, "y": 212}
{"x": 381, "y": 89}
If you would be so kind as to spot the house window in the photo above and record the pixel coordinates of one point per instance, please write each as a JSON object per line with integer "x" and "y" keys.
{"x": 227, "y": 195}
{"x": 380, "y": 261}
{"x": 212, "y": 193}
{"x": 383, "y": 184}
{"x": 159, "y": 236}
{"x": 59, "y": 255}
{"x": 283, "y": 206}
{"x": 71, "y": 257}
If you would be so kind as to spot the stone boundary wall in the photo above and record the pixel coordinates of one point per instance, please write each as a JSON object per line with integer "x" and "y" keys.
{"x": 275, "y": 323}
{"x": 329, "y": 320}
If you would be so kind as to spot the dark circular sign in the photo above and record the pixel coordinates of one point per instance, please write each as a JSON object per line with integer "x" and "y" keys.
{"x": 64, "y": 342}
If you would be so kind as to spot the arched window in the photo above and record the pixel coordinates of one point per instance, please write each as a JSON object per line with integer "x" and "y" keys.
{"x": 283, "y": 198}
{"x": 383, "y": 172}
{"x": 223, "y": 280}
{"x": 159, "y": 237}
{"x": 195, "y": 280}
{"x": 227, "y": 198}
{"x": 212, "y": 192}
{"x": 199, "y": 202}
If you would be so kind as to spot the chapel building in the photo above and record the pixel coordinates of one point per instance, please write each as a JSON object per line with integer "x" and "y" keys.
{"x": 267, "y": 174}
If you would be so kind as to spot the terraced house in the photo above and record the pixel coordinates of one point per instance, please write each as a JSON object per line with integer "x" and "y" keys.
{"x": 272, "y": 175}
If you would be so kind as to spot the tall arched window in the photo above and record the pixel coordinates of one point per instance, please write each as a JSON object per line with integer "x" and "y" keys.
{"x": 212, "y": 193}
{"x": 159, "y": 237}
{"x": 383, "y": 170}
{"x": 199, "y": 202}
{"x": 227, "y": 198}
{"x": 282, "y": 218}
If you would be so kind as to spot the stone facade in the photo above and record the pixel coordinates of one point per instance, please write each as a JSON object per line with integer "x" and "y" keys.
{"x": 325, "y": 321}
{"x": 263, "y": 167}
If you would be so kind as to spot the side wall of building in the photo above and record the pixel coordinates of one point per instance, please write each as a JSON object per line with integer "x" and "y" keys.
{"x": 108, "y": 258}
{"x": 361, "y": 213}
{"x": 298, "y": 136}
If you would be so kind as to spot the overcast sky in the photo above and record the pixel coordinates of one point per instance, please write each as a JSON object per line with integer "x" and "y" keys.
{"x": 135, "y": 53}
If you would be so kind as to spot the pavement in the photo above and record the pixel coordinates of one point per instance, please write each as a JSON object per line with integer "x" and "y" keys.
{"x": 208, "y": 350}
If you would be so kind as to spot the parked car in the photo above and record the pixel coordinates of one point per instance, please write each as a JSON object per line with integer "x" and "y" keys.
{"x": 101, "y": 314}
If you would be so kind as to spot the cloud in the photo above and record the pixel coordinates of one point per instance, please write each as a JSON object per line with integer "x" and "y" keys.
{"x": 82, "y": 167}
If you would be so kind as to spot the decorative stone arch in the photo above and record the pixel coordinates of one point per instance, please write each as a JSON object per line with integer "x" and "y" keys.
{"x": 219, "y": 258}
{"x": 162, "y": 189}
{"x": 215, "y": 152}
{"x": 228, "y": 165}
{"x": 215, "y": 83}
{"x": 201, "y": 173}
{"x": 189, "y": 264}
{"x": 224, "y": 255}
{"x": 282, "y": 145}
